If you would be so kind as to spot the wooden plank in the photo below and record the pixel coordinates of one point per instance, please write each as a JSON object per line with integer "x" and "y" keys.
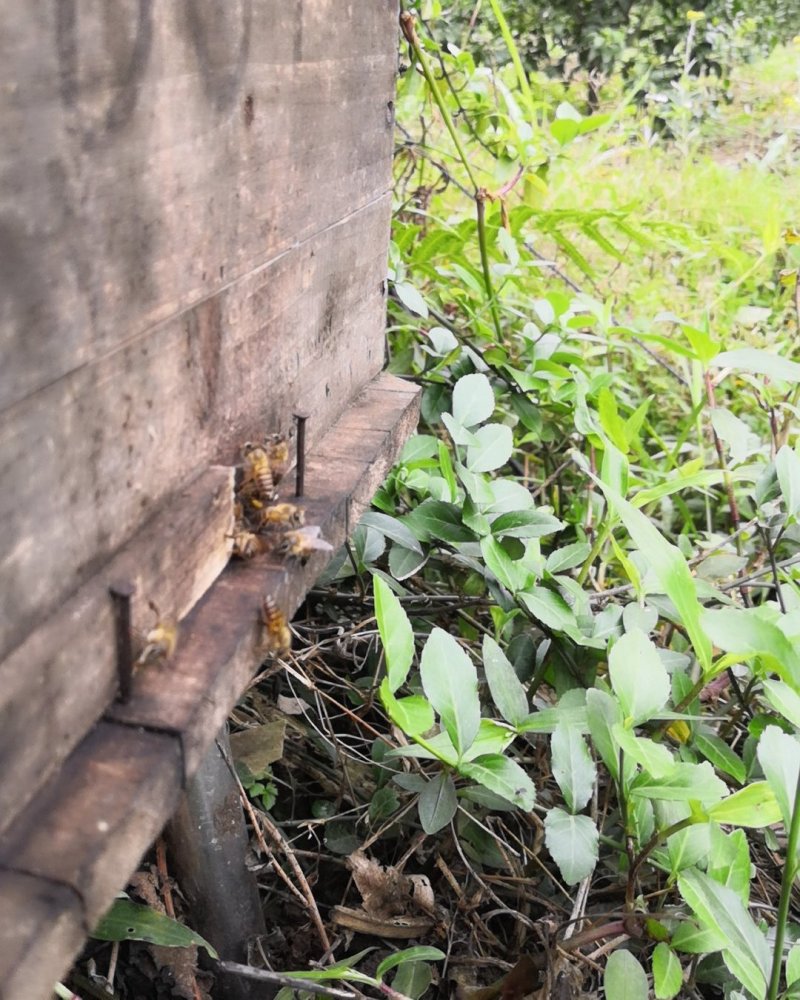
{"x": 195, "y": 692}
{"x": 85, "y": 461}
{"x": 91, "y": 824}
{"x": 154, "y": 152}
{"x": 58, "y": 683}
{"x": 41, "y": 924}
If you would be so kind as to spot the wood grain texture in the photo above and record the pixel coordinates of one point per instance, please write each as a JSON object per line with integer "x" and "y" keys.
{"x": 90, "y": 825}
{"x": 193, "y": 223}
{"x": 58, "y": 683}
{"x": 41, "y": 925}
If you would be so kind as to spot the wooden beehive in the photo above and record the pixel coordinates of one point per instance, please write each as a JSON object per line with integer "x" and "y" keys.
{"x": 194, "y": 218}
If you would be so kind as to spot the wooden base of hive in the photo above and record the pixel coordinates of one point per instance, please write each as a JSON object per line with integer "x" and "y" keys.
{"x": 72, "y": 849}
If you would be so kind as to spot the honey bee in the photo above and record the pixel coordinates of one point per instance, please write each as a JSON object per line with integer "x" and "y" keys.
{"x": 280, "y": 516}
{"x": 246, "y": 544}
{"x": 160, "y": 641}
{"x": 302, "y": 543}
{"x": 276, "y": 639}
{"x": 277, "y": 449}
{"x": 258, "y": 478}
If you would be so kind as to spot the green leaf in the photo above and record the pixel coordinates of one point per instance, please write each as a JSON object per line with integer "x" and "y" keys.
{"x": 526, "y": 524}
{"x": 787, "y": 468}
{"x": 421, "y": 953}
{"x": 437, "y": 803}
{"x": 446, "y": 467}
{"x": 473, "y": 400}
{"x": 793, "y": 965}
{"x": 404, "y": 563}
{"x": 720, "y": 754}
{"x": 413, "y": 980}
{"x": 567, "y": 557}
{"x": 492, "y": 448}
{"x": 437, "y": 519}
{"x": 624, "y": 978}
{"x": 413, "y": 715}
{"x": 450, "y": 681}
{"x": 572, "y": 766}
{"x": 729, "y": 860}
{"x": 758, "y": 362}
{"x": 684, "y": 783}
{"x": 667, "y": 973}
{"x": 572, "y": 842}
{"x": 564, "y": 130}
{"x": 754, "y": 806}
{"x": 549, "y": 608}
{"x": 392, "y": 528}
{"x": 783, "y": 699}
{"x": 612, "y": 423}
{"x": 779, "y": 757}
{"x": 510, "y": 573}
{"x": 493, "y": 737}
{"x": 603, "y": 714}
{"x": 653, "y": 757}
{"x": 507, "y": 693}
{"x": 720, "y": 910}
{"x": 637, "y": 616}
{"x": 671, "y": 569}
{"x": 697, "y": 940}
{"x": 638, "y": 676}
{"x": 504, "y": 777}
{"x": 396, "y": 633}
{"x": 129, "y": 921}
{"x": 744, "y": 631}
{"x": 411, "y": 298}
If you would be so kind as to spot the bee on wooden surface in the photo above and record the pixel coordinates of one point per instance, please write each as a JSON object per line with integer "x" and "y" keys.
{"x": 276, "y": 639}
{"x": 302, "y": 543}
{"x": 280, "y": 516}
{"x": 258, "y": 480}
{"x": 160, "y": 642}
{"x": 246, "y": 544}
{"x": 277, "y": 449}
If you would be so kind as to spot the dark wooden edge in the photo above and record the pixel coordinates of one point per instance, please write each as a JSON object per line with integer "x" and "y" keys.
{"x": 78, "y": 842}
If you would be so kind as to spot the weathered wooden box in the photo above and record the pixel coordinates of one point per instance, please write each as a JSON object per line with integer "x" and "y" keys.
{"x": 194, "y": 217}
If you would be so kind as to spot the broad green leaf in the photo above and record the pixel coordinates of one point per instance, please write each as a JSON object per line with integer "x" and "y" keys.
{"x": 567, "y": 557}
{"x": 412, "y": 980}
{"x": 437, "y": 519}
{"x": 502, "y": 776}
{"x": 572, "y": 766}
{"x": 744, "y": 631}
{"x": 729, "y": 860}
{"x": 396, "y": 633}
{"x": 422, "y": 953}
{"x": 638, "y": 616}
{"x": 787, "y": 467}
{"x": 603, "y": 714}
{"x": 404, "y": 563}
{"x": 549, "y": 608}
{"x": 450, "y": 681}
{"x": 793, "y": 965}
{"x": 473, "y": 400}
{"x": 784, "y": 699}
{"x": 129, "y": 921}
{"x": 779, "y": 757}
{"x": 720, "y": 754}
{"x": 572, "y": 843}
{"x": 655, "y": 758}
{"x": 684, "y": 783}
{"x": 413, "y": 715}
{"x": 526, "y": 524}
{"x": 493, "y": 737}
{"x": 696, "y": 940}
{"x": 754, "y": 807}
{"x": 437, "y": 803}
{"x": 418, "y": 447}
{"x": 492, "y": 449}
{"x": 392, "y": 528}
{"x": 507, "y": 693}
{"x": 612, "y": 423}
{"x": 510, "y": 573}
{"x": 446, "y": 467}
{"x": 624, "y": 978}
{"x": 671, "y": 569}
{"x": 411, "y": 298}
{"x": 734, "y": 432}
{"x": 667, "y": 973}
{"x": 758, "y": 362}
{"x": 638, "y": 677}
{"x": 719, "y": 909}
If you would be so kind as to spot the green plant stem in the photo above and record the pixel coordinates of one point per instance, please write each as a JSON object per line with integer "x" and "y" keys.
{"x": 513, "y": 51}
{"x": 789, "y": 873}
{"x": 409, "y": 30}
{"x": 597, "y": 548}
{"x": 480, "y": 204}
{"x": 659, "y": 837}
